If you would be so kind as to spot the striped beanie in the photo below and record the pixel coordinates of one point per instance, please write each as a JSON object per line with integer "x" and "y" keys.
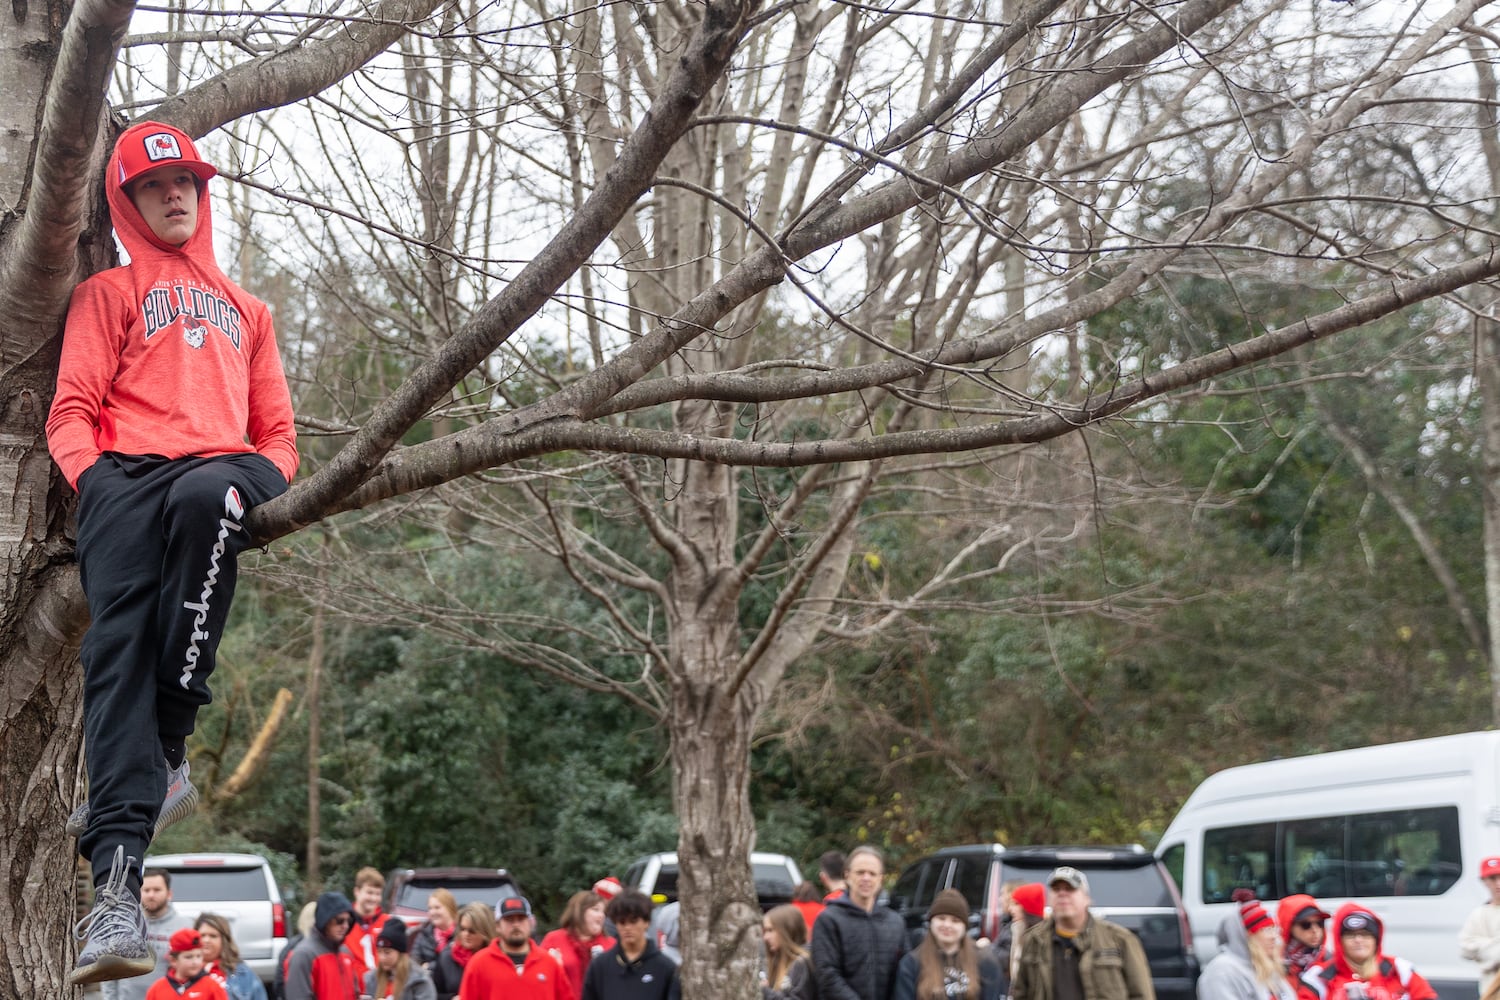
{"x": 1254, "y": 916}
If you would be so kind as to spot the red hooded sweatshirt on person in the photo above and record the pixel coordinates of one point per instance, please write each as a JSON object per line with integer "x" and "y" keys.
{"x": 1287, "y": 912}
{"x": 167, "y": 356}
{"x": 1394, "y": 978}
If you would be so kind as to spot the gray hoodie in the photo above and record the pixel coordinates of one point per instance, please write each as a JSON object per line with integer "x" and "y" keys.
{"x": 159, "y": 931}
{"x": 1230, "y": 976}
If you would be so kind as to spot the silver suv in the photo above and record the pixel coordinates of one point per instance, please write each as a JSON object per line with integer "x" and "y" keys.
{"x": 241, "y": 889}
{"x": 775, "y": 875}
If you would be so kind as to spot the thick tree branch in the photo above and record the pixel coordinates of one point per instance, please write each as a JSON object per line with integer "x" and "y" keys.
{"x": 702, "y": 62}
{"x": 39, "y": 268}
{"x": 487, "y": 444}
{"x": 291, "y": 74}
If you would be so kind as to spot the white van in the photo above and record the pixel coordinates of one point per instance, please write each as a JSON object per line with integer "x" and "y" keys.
{"x": 1400, "y": 828}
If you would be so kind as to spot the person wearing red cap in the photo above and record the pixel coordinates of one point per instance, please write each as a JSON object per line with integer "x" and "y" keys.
{"x": 1479, "y": 940}
{"x": 1304, "y": 935}
{"x": 1358, "y": 969}
{"x": 171, "y": 419}
{"x": 1248, "y": 965}
{"x": 186, "y": 977}
{"x": 510, "y": 968}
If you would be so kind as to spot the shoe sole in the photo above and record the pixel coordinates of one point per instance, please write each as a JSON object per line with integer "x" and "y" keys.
{"x": 109, "y": 967}
{"x": 176, "y": 813}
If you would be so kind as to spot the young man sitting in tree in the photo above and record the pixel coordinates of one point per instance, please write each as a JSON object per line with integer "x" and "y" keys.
{"x": 172, "y": 418}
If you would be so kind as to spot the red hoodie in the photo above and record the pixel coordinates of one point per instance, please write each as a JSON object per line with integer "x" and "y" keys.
{"x": 1394, "y": 978}
{"x": 167, "y": 356}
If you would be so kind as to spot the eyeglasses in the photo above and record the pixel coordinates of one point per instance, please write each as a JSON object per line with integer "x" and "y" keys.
{"x": 1307, "y": 925}
{"x": 466, "y": 929}
{"x": 342, "y": 919}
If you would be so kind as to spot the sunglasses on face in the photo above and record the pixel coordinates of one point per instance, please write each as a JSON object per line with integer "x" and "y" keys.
{"x": 1307, "y": 925}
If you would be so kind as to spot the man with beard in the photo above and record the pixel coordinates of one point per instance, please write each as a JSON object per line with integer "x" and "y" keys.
{"x": 510, "y": 967}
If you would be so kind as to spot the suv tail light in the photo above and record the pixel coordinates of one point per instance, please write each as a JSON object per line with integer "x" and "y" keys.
{"x": 278, "y": 920}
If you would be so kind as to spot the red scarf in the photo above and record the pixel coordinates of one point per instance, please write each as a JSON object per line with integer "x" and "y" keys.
{"x": 443, "y": 937}
{"x": 461, "y": 955}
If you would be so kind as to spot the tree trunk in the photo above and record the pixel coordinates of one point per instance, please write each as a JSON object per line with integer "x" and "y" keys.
{"x": 1487, "y": 362}
{"x": 711, "y": 736}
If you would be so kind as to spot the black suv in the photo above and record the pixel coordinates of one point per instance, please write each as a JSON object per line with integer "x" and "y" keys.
{"x": 1127, "y": 886}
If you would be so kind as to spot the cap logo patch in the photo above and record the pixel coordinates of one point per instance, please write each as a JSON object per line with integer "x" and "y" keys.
{"x": 162, "y": 146}
{"x": 1356, "y": 922}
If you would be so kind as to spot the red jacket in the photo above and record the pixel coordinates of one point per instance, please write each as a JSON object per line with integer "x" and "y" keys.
{"x": 202, "y": 987}
{"x": 167, "y": 356}
{"x": 360, "y": 941}
{"x": 316, "y": 970}
{"x": 1394, "y": 978}
{"x": 574, "y": 954}
{"x": 491, "y": 975}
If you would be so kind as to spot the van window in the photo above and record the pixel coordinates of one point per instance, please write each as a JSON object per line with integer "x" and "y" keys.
{"x": 1407, "y": 852}
{"x": 1238, "y": 857}
{"x": 1314, "y": 853}
{"x": 1174, "y": 860}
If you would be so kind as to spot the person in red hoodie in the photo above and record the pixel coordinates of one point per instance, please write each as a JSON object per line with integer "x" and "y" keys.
{"x": 510, "y": 968}
{"x": 171, "y": 419}
{"x": 319, "y": 968}
{"x": 1304, "y": 934}
{"x": 1358, "y": 969}
{"x": 186, "y": 977}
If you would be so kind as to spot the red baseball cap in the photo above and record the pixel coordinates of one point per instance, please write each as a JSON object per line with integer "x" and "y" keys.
{"x": 1489, "y": 866}
{"x": 186, "y": 939}
{"x": 149, "y": 145}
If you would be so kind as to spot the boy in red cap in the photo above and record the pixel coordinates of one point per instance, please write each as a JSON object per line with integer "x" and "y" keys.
{"x": 172, "y": 418}
{"x": 186, "y": 977}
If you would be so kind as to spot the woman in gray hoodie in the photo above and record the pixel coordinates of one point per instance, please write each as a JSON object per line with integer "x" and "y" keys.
{"x": 1248, "y": 966}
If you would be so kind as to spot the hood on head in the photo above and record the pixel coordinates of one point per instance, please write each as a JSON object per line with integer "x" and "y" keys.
{"x": 1233, "y": 937}
{"x": 330, "y": 905}
{"x": 142, "y": 147}
{"x": 1335, "y": 931}
{"x": 1288, "y": 909}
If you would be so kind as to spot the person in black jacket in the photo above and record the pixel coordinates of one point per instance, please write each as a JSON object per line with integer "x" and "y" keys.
{"x": 858, "y": 943}
{"x": 634, "y": 969}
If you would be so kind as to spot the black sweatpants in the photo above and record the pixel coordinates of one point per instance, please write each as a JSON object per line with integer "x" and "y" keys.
{"x": 158, "y": 541}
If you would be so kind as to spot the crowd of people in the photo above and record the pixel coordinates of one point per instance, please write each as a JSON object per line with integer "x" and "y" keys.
{"x": 833, "y": 943}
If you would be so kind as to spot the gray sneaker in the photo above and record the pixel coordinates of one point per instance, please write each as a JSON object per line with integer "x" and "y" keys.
{"x": 181, "y": 800}
{"x": 115, "y": 930}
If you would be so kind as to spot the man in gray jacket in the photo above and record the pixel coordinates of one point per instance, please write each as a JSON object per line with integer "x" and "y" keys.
{"x": 162, "y": 921}
{"x": 859, "y": 943}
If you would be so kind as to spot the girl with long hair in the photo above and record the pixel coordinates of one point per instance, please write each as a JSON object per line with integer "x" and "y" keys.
{"x": 476, "y": 929}
{"x": 396, "y": 976}
{"x": 1249, "y": 963}
{"x": 579, "y": 937}
{"x": 947, "y": 965}
{"x": 221, "y": 959}
{"x": 788, "y": 966}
